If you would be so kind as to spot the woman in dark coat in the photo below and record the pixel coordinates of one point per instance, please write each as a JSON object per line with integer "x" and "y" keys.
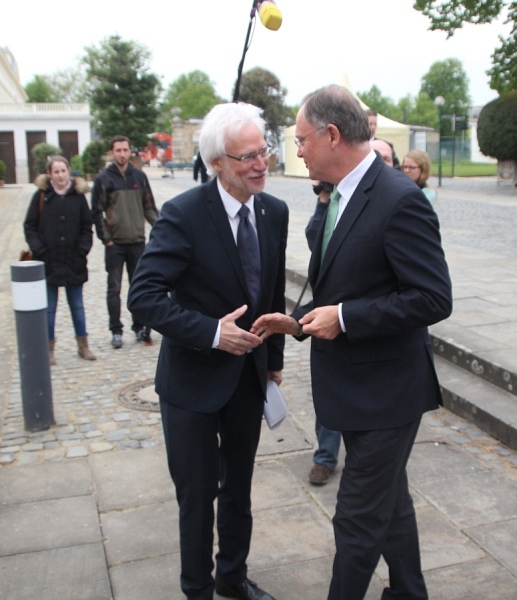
{"x": 58, "y": 229}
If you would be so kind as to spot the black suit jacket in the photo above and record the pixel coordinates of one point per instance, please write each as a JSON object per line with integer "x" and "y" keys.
{"x": 189, "y": 277}
{"x": 385, "y": 264}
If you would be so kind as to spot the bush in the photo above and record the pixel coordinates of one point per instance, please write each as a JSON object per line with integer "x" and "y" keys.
{"x": 41, "y": 153}
{"x": 93, "y": 157}
{"x": 3, "y": 169}
{"x": 76, "y": 165}
{"x": 497, "y": 128}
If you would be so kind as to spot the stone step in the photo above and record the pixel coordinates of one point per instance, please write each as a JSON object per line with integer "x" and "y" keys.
{"x": 472, "y": 387}
{"x": 486, "y": 405}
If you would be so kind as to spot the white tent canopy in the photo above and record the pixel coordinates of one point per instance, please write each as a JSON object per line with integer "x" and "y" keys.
{"x": 391, "y": 131}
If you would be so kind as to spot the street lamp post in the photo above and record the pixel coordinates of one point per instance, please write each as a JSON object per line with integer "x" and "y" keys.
{"x": 439, "y": 101}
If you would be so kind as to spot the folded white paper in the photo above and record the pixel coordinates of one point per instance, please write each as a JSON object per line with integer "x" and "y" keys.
{"x": 275, "y": 409}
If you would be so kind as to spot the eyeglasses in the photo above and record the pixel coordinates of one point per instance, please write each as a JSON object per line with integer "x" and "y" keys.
{"x": 299, "y": 141}
{"x": 247, "y": 159}
{"x": 410, "y": 167}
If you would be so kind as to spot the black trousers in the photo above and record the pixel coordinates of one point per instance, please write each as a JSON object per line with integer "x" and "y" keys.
{"x": 375, "y": 516}
{"x": 115, "y": 257}
{"x": 211, "y": 456}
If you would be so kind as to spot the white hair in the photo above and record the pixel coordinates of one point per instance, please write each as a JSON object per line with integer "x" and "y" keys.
{"x": 222, "y": 121}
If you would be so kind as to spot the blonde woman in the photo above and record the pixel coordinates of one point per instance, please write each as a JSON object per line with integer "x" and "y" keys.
{"x": 417, "y": 165}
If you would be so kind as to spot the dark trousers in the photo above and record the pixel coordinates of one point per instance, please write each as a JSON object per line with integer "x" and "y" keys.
{"x": 375, "y": 516}
{"x": 116, "y": 256}
{"x": 212, "y": 456}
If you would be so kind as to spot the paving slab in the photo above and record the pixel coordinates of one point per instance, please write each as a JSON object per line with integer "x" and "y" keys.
{"x": 72, "y": 573}
{"x": 472, "y": 499}
{"x": 54, "y": 480}
{"x": 136, "y": 533}
{"x": 156, "y": 578}
{"x": 48, "y": 524}
{"x": 499, "y": 539}
{"x": 482, "y": 579}
{"x": 439, "y": 460}
{"x": 133, "y": 479}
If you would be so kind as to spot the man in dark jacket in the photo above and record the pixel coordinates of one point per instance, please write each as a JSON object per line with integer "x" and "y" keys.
{"x": 122, "y": 201}
{"x": 379, "y": 278}
{"x": 215, "y": 261}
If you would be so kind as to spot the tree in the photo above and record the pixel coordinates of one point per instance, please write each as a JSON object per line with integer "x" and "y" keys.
{"x": 124, "y": 94}
{"x": 39, "y": 89}
{"x": 447, "y": 78}
{"x": 262, "y": 88}
{"x": 450, "y": 15}
{"x": 497, "y": 128}
{"x": 194, "y": 93}
{"x": 70, "y": 85}
{"x": 419, "y": 111}
{"x": 385, "y": 106}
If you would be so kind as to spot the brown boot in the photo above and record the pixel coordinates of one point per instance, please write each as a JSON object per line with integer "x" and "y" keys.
{"x": 83, "y": 350}
{"x": 51, "y": 344}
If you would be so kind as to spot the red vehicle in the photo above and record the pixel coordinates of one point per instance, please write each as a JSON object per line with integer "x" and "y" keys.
{"x": 159, "y": 148}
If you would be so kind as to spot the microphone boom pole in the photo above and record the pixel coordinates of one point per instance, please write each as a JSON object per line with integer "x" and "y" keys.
{"x": 246, "y": 46}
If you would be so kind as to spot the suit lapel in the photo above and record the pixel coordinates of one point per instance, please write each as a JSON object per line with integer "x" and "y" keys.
{"x": 262, "y": 233}
{"x": 353, "y": 209}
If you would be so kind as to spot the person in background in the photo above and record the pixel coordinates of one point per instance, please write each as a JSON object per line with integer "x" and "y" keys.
{"x": 384, "y": 149}
{"x": 58, "y": 229}
{"x": 417, "y": 165}
{"x": 372, "y": 123}
{"x": 325, "y": 457}
{"x": 215, "y": 261}
{"x": 379, "y": 278}
{"x": 122, "y": 201}
{"x": 200, "y": 168}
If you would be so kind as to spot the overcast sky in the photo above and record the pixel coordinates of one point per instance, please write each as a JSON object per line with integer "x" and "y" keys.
{"x": 372, "y": 42}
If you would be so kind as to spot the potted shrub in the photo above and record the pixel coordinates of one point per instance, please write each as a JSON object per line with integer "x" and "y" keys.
{"x": 497, "y": 134}
{"x": 41, "y": 153}
{"x": 3, "y": 170}
{"x": 76, "y": 165}
{"x": 93, "y": 158}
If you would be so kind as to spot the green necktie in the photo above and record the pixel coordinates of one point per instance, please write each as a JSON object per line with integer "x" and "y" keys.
{"x": 331, "y": 221}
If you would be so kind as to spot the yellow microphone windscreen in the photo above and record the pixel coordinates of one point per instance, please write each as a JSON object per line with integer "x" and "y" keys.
{"x": 270, "y": 15}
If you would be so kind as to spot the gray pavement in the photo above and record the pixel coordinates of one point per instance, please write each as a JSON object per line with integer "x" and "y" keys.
{"x": 87, "y": 509}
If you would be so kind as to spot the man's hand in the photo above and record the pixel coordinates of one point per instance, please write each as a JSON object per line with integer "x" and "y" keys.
{"x": 322, "y": 322}
{"x": 275, "y": 376}
{"x": 269, "y": 324}
{"x": 233, "y": 339}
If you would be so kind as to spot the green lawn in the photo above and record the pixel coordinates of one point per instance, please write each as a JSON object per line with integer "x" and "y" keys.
{"x": 464, "y": 169}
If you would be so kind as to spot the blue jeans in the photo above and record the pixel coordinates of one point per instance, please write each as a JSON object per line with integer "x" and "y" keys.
{"x": 116, "y": 256}
{"x": 328, "y": 446}
{"x": 74, "y": 296}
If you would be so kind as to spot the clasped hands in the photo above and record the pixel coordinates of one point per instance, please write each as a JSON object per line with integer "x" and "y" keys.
{"x": 321, "y": 322}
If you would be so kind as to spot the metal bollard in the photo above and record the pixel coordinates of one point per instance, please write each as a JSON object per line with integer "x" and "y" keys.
{"x": 29, "y": 292}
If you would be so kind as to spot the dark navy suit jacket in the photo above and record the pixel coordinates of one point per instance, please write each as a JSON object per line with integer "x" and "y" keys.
{"x": 385, "y": 264}
{"x": 189, "y": 277}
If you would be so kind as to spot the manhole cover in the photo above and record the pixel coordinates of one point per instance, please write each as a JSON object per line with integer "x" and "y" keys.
{"x": 139, "y": 396}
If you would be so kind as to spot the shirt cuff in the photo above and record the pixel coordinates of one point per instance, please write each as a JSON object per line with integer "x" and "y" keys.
{"x": 340, "y": 316}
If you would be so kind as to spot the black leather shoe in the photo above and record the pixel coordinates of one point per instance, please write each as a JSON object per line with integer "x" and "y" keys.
{"x": 247, "y": 590}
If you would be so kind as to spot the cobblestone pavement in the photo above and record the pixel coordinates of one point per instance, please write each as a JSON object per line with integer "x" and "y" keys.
{"x": 89, "y": 416}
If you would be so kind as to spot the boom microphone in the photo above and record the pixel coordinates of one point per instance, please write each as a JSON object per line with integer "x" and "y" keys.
{"x": 270, "y": 15}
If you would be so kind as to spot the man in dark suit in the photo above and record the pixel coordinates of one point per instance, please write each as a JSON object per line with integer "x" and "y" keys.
{"x": 193, "y": 285}
{"x": 378, "y": 285}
